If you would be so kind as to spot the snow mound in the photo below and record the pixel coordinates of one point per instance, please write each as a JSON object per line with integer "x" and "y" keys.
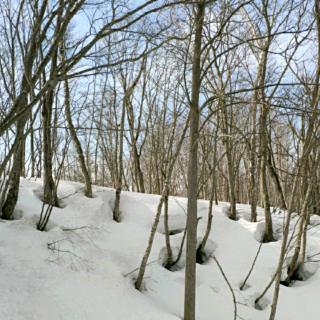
{"x": 75, "y": 270}
{"x": 314, "y": 220}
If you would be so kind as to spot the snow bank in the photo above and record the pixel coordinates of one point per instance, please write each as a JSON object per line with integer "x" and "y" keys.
{"x": 77, "y": 269}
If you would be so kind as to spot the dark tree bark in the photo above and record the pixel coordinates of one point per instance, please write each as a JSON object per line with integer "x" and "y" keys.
{"x": 49, "y": 188}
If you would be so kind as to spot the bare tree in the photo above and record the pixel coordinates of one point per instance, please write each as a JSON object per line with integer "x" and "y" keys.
{"x": 190, "y": 273}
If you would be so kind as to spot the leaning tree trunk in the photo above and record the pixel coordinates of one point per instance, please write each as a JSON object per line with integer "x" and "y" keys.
{"x": 165, "y": 191}
{"x": 14, "y": 176}
{"x": 76, "y": 142}
{"x": 200, "y": 250}
{"x": 275, "y": 177}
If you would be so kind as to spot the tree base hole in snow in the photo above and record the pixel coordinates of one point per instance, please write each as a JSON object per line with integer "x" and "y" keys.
{"x": 177, "y": 261}
{"x": 301, "y": 274}
{"x": 262, "y": 304}
{"x": 39, "y": 194}
{"x": 204, "y": 255}
{"x": 226, "y": 210}
{"x": 245, "y": 287}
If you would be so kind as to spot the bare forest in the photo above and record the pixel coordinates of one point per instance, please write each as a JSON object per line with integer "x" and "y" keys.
{"x": 215, "y": 101}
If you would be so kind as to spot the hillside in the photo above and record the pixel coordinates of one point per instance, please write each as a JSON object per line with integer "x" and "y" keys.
{"x": 81, "y": 267}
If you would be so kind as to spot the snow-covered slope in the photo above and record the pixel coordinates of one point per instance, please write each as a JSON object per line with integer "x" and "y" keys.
{"x": 81, "y": 268}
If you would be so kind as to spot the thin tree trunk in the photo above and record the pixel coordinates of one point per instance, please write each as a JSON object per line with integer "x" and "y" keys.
{"x": 167, "y": 232}
{"x": 14, "y": 176}
{"x": 253, "y": 167}
{"x": 32, "y": 150}
{"x": 76, "y": 142}
{"x": 165, "y": 191}
{"x": 314, "y": 116}
{"x": 276, "y": 180}
{"x": 201, "y": 248}
{"x": 49, "y": 191}
{"x": 190, "y": 272}
{"x": 294, "y": 263}
{"x": 116, "y": 209}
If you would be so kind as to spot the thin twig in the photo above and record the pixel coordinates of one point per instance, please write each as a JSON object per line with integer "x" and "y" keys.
{"x": 252, "y": 266}
{"x": 230, "y": 287}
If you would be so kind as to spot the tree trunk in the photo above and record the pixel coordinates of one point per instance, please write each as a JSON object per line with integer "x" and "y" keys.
{"x": 200, "y": 249}
{"x": 76, "y": 142}
{"x": 165, "y": 191}
{"x": 167, "y": 232}
{"x": 309, "y": 140}
{"x": 190, "y": 272}
{"x": 49, "y": 192}
{"x": 14, "y": 177}
{"x": 116, "y": 209}
{"x": 275, "y": 177}
{"x": 253, "y": 168}
{"x": 294, "y": 263}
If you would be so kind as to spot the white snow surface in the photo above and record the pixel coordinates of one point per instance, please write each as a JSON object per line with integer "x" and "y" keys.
{"x": 81, "y": 267}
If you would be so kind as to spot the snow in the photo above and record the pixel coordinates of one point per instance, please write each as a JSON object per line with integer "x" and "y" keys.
{"x": 81, "y": 268}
